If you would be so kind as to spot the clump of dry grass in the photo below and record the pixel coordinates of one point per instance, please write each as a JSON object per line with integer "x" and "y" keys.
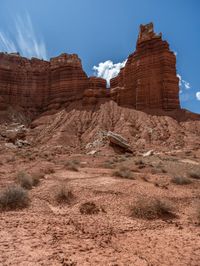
{"x": 13, "y": 197}
{"x": 181, "y": 180}
{"x": 195, "y": 174}
{"x": 110, "y": 164}
{"x": 89, "y": 208}
{"x": 24, "y": 180}
{"x": 124, "y": 172}
{"x": 27, "y": 181}
{"x": 72, "y": 165}
{"x": 36, "y": 177}
{"x": 64, "y": 195}
{"x": 151, "y": 209}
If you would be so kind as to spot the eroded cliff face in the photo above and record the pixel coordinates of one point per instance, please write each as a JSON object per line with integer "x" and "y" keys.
{"x": 148, "y": 80}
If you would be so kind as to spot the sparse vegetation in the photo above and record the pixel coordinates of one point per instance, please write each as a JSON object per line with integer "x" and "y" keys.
{"x": 124, "y": 172}
{"x": 49, "y": 170}
{"x": 72, "y": 165}
{"x": 181, "y": 180}
{"x": 64, "y": 195}
{"x": 109, "y": 164}
{"x": 89, "y": 208}
{"x": 152, "y": 209}
{"x": 195, "y": 174}
{"x": 25, "y": 180}
{"x": 36, "y": 178}
{"x": 13, "y": 197}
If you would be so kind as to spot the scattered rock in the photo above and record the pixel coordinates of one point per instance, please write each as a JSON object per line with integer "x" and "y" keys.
{"x": 148, "y": 153}
{"x": 118, "y": 140}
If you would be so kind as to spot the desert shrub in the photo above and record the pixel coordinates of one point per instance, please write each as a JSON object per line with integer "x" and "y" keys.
{"x": 25, "y": 180}
{"x": 194, "y": 174}
{"x": 49, "y": 170}
{"x": 64, "y": 195}
{"x": 181, "y": 180}
{"x": 36, "y": 178}
{"x": 72, "y": 165}
{"x": 89, "y": 208}
{"x": 13, "y": 197}
{"x": 152, "y": 209}
{"x": 110, "y": 164}
{"x": 124, "y": 172}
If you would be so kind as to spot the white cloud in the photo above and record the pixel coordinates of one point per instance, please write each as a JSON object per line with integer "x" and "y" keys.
{"x": 198, "y": 95}
{"x": 24, "y": 39}
{"x": 183, "y": 84}
{"x": 6, "y": 44}
{"x": 108, "y": 70}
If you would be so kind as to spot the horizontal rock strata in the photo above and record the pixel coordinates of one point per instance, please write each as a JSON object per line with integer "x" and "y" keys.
{"x": 35, "y": 86}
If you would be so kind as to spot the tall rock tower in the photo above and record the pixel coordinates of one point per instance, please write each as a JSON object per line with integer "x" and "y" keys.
{"x": 148, "y": 79}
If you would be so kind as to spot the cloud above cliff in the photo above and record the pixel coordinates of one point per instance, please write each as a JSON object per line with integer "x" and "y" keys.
{"x": 198, "y": 95}
{"x": 183, "y": 83}
{"x": 108, "y": 70}
{"x": 23, "y": 39}
{"x": 186, "y": 91}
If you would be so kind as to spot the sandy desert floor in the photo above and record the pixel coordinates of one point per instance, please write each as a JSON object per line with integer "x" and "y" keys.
{"x": 49, "y": 232}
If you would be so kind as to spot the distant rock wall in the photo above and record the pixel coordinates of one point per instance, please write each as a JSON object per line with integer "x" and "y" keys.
{"x": 148, "y": 80}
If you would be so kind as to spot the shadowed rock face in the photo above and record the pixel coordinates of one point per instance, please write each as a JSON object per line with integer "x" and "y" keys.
{"x": 147, "y": 81}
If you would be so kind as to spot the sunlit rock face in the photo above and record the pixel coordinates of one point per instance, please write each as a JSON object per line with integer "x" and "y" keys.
{"x": 148, "y": 79}
{"x": 36, "y": 85}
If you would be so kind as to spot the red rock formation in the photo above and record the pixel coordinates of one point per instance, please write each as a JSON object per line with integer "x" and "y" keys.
{"x": 67, "y": 80}
{"x": 96, "y": 92}
{"x": 36, "y": 85}
{"x": 23, "y": 82}
{"x": 148, "y": 79}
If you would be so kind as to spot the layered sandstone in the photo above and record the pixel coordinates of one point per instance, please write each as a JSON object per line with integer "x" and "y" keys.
{"x": 23, "y": 82}
{"x": 96, "y": 91}
{"x": 148, "y": 79}
{"x": 35, "y": 85}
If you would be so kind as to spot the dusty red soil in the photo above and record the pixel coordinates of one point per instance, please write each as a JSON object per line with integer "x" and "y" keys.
{"x": 49, "y": 233}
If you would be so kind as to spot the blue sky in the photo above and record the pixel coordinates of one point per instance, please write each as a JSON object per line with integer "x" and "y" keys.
{"x": 101, "y": 30}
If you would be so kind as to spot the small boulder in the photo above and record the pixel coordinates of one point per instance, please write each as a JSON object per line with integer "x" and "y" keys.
{"x": 118, "y": 140}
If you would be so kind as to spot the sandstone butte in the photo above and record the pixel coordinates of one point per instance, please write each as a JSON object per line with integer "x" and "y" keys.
{"x": 148, "y": 80}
